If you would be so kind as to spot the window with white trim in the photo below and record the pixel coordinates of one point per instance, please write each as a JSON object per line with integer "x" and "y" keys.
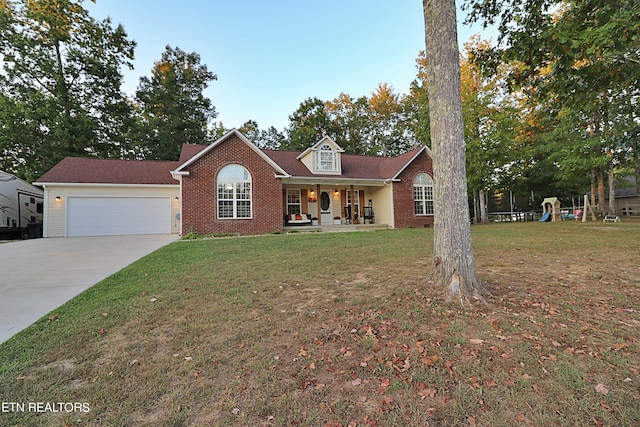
{"x": 423, "y": 194}
{"x": 326, "y": 159}
{"x": 293, "y": 201}
{"x": 234, "y": 192}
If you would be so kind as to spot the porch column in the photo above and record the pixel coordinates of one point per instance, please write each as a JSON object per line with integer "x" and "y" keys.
{"x": 353, "y": 194}
{"x": 318, "y": 204}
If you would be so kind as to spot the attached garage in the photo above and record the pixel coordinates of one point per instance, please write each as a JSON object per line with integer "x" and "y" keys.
{"x": 107, "y": 197}
{"x": 106, "y": 216}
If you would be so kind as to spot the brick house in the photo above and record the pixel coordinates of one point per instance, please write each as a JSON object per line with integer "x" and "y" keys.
{"x": 232, "y": 186}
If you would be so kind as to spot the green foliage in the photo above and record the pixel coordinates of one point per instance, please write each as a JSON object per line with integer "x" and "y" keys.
{"x": 380, "y": 125}
{"x": 173, "y": 109}
{"x": 309, "y": 123}
{"x": 60, "y": 85}
{"x": 577, "y": 61}
{"x": 416, "y": 104}
{"x": 270, "y": 139}
{"x": 351, "y": 123}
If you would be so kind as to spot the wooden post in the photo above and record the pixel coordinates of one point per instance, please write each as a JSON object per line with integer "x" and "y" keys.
{"x": 318, "y": 204}
{"x": 353, "y": 194}
{"x": 587, "y": 208}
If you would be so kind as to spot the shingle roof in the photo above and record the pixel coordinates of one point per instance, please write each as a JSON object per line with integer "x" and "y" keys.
{"x": 110, "y": 171}
{"x": 190, "y": 150}
{"x": 363, "y": 167}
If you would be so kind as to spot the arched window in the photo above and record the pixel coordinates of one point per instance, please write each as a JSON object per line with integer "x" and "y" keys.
{"x": 234, "y": 192}
{"x": 326, "y": 159}
{"x": 423, "y": 194}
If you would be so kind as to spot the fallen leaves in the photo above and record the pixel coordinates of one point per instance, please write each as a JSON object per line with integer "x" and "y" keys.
{"x": 425, "y": 391}
{"x": 600, "y": 388}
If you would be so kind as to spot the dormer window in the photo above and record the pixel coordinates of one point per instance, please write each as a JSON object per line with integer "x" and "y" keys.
{"x": 326, "y": 159}
{"x": 323, "y": 157}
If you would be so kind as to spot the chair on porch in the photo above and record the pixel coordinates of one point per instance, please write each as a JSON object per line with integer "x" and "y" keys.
{"x": 347, "y": 214}
{"x": 367, "y": 214}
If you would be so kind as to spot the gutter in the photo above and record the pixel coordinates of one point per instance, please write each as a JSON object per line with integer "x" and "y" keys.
{"x": 178, "y": 175}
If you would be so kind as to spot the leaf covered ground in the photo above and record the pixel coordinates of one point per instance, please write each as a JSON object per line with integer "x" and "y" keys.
{"x": 342, "y": 329}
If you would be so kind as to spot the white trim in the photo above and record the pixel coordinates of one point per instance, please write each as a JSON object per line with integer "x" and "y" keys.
{"x": 423, "y": 194}
{"x": 322, "y": 141}
{"x": 243, "y": 138}
{"x": 181, "y": 196}
{"x": 45, "y": 217}
{"x": 96, "y": 184}
{"x": 178, "y": 175}
{"x": 424, "y": 148}
{"x": 338, "y": 180}
{"x": 234, "y": 200}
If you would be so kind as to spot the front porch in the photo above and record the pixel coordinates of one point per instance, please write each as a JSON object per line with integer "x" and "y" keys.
{"x": 339, "y": 204}
{"x": 334, "y": 228}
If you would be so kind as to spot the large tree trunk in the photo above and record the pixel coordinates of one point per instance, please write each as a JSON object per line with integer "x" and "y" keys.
{"x": 484, "y": 218}
{"x": 600, "y": 178}
{"x": 612, "y": 191}
{"x": 594, "y": 189}
{"x": 453, "y": 262}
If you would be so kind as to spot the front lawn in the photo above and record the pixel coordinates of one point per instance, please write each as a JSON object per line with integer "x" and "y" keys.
{"x": 342, "y": 329}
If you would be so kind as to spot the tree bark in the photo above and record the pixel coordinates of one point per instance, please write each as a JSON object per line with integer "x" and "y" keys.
{"x": 636, "y": 166}
{"x": 453, "y": 265}
{"x": 612, "y": 190}
{"x": 600, "y": 178}
{"x": 484, "y": 218}
{"x": 594, "y": 188}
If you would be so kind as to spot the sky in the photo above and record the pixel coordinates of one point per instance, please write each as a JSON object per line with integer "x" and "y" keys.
{"x": 271, "y": 55}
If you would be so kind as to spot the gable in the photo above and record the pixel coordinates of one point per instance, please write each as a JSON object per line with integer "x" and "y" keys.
{"x": 324, "y": 157}
{"x": 234, "y": 134}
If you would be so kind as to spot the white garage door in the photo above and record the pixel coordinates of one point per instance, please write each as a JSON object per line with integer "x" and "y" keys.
{"x": 105, "y": 216}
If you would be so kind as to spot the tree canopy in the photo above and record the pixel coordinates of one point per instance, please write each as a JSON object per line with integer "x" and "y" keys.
{"x": 551, "y": 107}
{"x": 172, "y": 107}
{"x": 60, "y": 85}
{"x": 578, "y": 62}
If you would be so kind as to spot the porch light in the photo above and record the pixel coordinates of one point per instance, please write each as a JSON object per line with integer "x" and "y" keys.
{"x": 176, "y": 199}
{"x": 57, "y": 198}
{"x": 337, "y": 192}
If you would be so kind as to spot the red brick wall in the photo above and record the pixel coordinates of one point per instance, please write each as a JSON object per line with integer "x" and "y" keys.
{"x": 199, "y": 196}
{"x": 403, "y": 194}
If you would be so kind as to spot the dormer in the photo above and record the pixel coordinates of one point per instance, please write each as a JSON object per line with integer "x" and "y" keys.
{"x": 323, "y": 158}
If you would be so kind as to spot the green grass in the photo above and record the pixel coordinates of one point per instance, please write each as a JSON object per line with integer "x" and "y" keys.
{"x": 339, "y": 328}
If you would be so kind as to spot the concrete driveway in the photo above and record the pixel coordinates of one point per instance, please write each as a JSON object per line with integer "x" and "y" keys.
{"x": 37, "y": 276}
